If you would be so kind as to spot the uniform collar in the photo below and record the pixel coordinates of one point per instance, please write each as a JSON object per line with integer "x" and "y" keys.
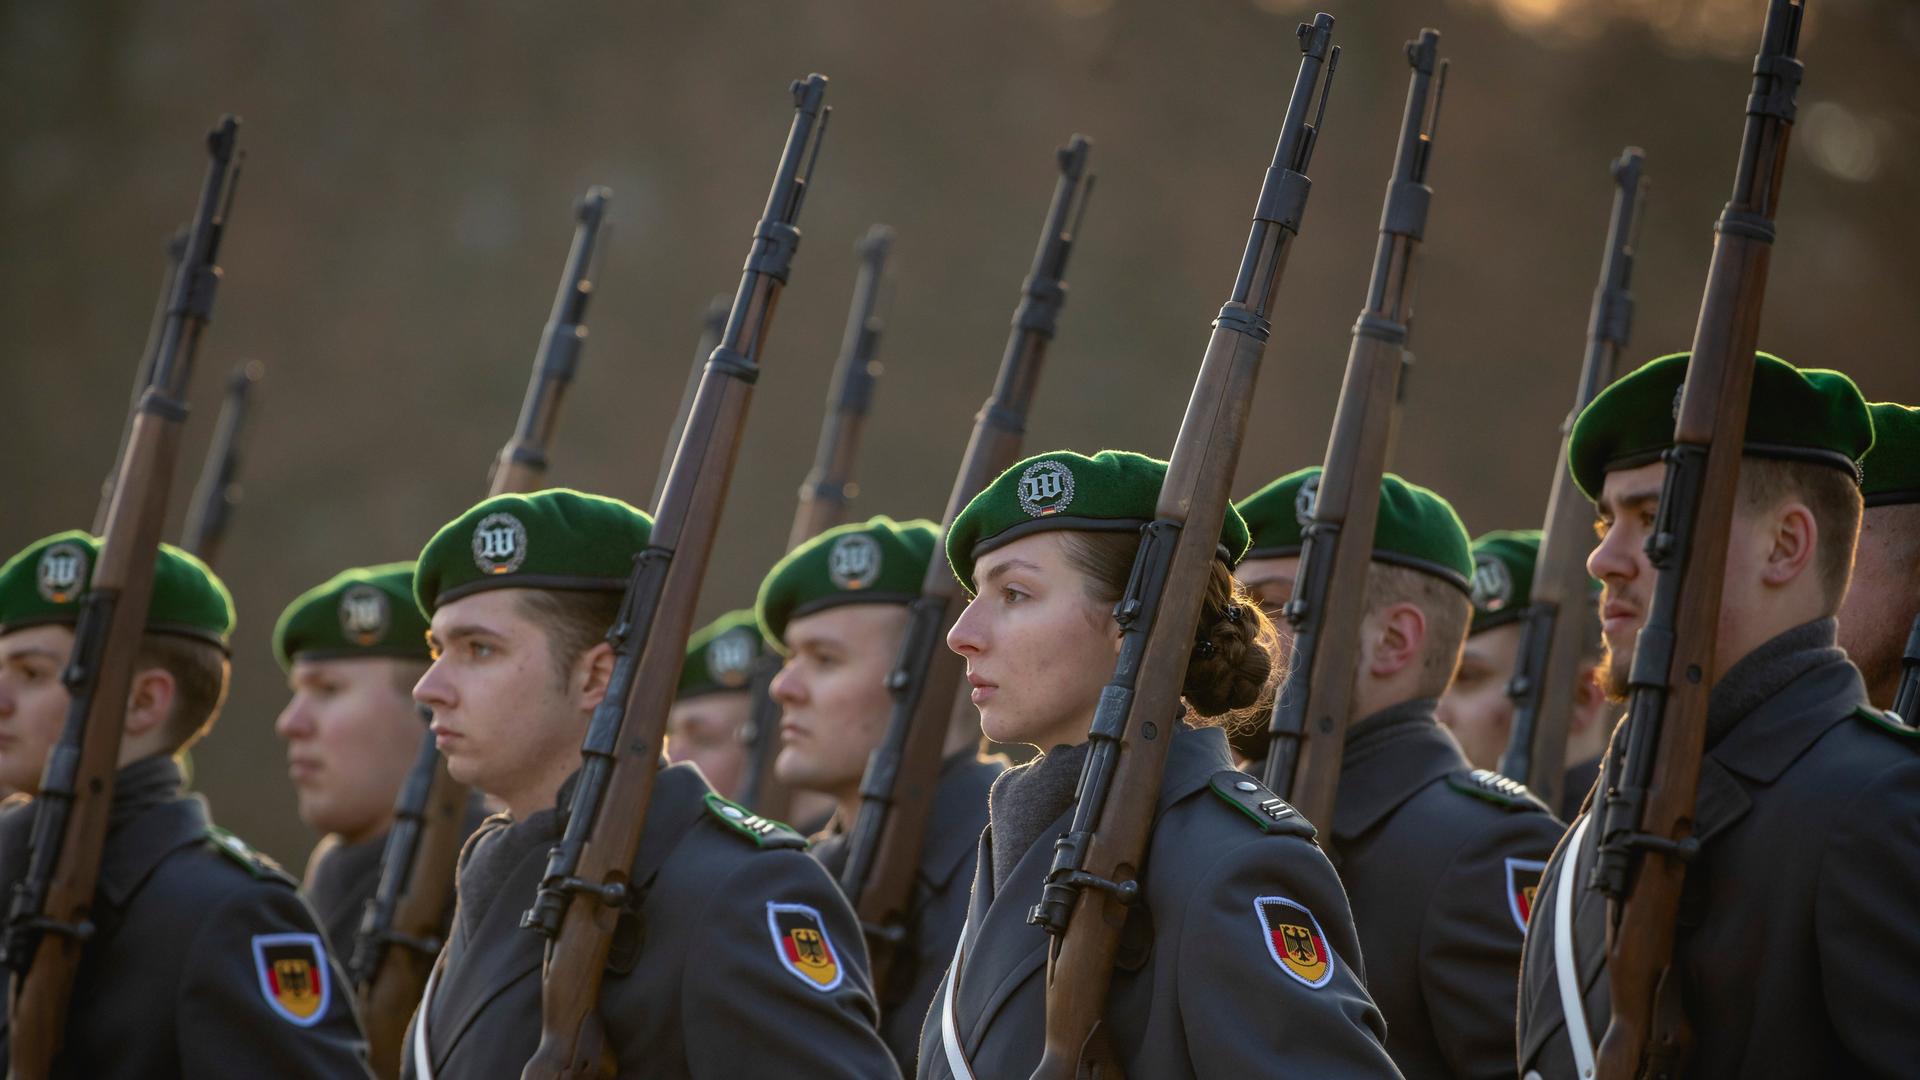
{"x": 959, "y": 806}
{"x": 1777, "y": 700}
{"x": 1390, "y": 756}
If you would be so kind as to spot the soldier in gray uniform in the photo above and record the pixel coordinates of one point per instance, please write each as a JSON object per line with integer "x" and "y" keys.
{"x": 352, "y": 648}
{"x": 1439, "y": 859}
{"x": 707, "y": 726}
{"x": 738, "y": 958}
{"x": 1792, "y": 954}
{"x": 1240, "y": 958}
{"x": 204, "y": 961}
{"x": 836, "y": 607}
{"x": 1883, "y": 599}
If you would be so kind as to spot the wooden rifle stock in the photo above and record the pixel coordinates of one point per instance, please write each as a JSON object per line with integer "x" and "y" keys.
{"x": 423, "y": 848}
{"x": 896, "y": 792}
{"x": 1094, "y": 877}
{"x": 585, "y": 890}
{"x": 176, "y": 250}
{"x": 50, "y": 920}
{"x": 1308, "y": 729}
{"x": 1548, "y": 661}
{"x": 218, "y": 491}
{"x": 1906, "y": 700}
{"x": 1646, "y": 828}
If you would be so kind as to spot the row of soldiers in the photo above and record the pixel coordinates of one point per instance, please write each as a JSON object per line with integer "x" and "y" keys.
{"x": 742, "y": 957}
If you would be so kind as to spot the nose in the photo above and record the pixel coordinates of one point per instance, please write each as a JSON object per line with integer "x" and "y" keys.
{"x": 294, "y": 721}
{"x": 1612, "y": 558}
{"x": 967, "y": 636}
{"x": 788, "y": 686}
{"x": 434, "y": 690}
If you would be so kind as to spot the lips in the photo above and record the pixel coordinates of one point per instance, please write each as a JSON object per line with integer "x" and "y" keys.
{"x": 1617, "y": 615}
{"x": 302, "y": 770}
{"x": 443, "y": 736}
{"x": 982, "y": 688}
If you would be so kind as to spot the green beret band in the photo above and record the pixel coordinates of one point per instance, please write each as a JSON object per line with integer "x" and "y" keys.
{"x": 879, "y": 561}
{"x": 1416, "y": 528}
{"x": 1277, "y": 514}
{"x": 1796, "y": 414}
{"x": 721, "y": 655}
{"x": 364, "y": 612}
{"x": 555, "y": 539}
{"x": 1112, "y": 491}
{"x": 46, "y": 582}
{"x": 1893, "y": 467}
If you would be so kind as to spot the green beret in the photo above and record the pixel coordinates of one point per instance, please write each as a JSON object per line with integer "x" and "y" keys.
{"x": 366, "y": 611}
{"x": 1112, "y": 491}
{"x": 1503, "y": 564}
{"x": 720, "y": 655}
{"x": 1277, "y": 513}
{"x": 1893, "y": 468}
{"x": 554, "y": 539}
{"x": 1798, "y": 414}
{"x": 44, "y": 584}
{"x": 881, "y": 561}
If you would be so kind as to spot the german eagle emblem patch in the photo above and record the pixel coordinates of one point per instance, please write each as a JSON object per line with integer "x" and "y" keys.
{"x": 294, "y": 976}
{"x": 1295, "y": 940}
{"x": 1523, "y": 881}
{"x": 800, "y": 940}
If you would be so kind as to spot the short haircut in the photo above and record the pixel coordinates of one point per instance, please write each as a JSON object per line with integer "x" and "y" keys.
{"x": 1830, "y": 494}
{"x": 575, "y": 620}
{"x": 201, "y": 673}
{"x": 1448, "y": 613}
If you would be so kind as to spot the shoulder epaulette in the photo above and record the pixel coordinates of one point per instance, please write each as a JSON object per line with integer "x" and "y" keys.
{"x": 260, "y": 866}
{"x": 763, "y": 831}
{"x": 1888, "y": 721}
{"x": 1262, "y": 807}
{"x": 1496, "y": 789}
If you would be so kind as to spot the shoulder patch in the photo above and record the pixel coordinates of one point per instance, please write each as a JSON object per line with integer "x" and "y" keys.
{"x": 294, "y": 976}
{"x": 1262, "y": 807}
{"x": 800, "y": 941}
{"x": 1523, "y": 885}
{"x": 763, "y": 831}
{"x": 239, "y": 851}
{"x": 1888, "y": 721}
{"x": 1492, "y": 787}
{"x": 1294, "y": 940}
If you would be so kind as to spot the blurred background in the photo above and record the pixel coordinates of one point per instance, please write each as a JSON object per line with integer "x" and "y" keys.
{"x": 406, "y": 209}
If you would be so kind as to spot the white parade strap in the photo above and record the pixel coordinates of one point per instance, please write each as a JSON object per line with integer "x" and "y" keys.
{"x": 949, "y": 1021}
{"x": 422, "y": 1060}
{"x": 1571, "y": 1005}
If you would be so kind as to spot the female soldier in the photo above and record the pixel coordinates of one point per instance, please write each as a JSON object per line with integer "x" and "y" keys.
{"x": 1240, "y": 958}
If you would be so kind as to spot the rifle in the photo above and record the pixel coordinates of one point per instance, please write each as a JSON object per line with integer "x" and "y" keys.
{"x": 50, "y": 921}
{"x": 1654, "y": 772}
{"x": 1093, "y": 878}
{"x": 823, "y": 504}
{"x": 218, "y": 491}
{"x": 1547, "y": 663}
{"x": 1307, "y": 735}
{"x": 176, "y": 250}
{"x": 711, "y": 325}
{"x": 896, "y": 792}
{"x": 585, "y": 892}
{"x": 418, "y": 863}
{"x": 1906, "y": 700}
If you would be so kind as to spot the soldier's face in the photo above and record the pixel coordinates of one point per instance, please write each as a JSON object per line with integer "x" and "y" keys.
{"x": 1476, "y": 707}
{"x": 1883, "y": 598}
{"x": 352, "y": 731}
{"x": 33, "y": 702}
{"x": 1270, "y": 581}
{"x": 504, "y": 718}
{"x": 706, "y": 731}
{"x": 1625, "y": 511}
{"x": 1038, "y": 647}
{"x": 833, "y": 695}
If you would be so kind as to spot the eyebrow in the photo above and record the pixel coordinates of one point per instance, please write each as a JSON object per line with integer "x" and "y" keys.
{"x": 1275, "y": 579}
{"x": 1634, "y": 501}
{"x": 30, "y": 652}
{"x": 1001, "y": 569}
{"x": 464, "y": 630}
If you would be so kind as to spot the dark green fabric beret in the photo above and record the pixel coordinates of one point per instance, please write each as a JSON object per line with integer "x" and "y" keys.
{"x": 879, "y": 561}
{"x": 1798, "y": 414}
{"x": 1112, "y": 491}
{"x": 720, "y": 655}
{"x": 366, "y": 611}
{"x": 554, "y": 539}
{"x": 44, "y": 584}
{"x": 1503, "y": 565}
{"x": 1416, "y": 528}
{"x": 1893, "y": 467}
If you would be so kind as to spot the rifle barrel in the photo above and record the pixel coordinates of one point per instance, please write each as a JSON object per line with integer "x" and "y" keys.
{"x": 218, "y": 491}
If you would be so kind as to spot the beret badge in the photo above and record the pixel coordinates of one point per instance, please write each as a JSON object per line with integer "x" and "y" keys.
{"x": 499, "y": 544}
{"x": 854, "y": 562}
{"x": 364, "y": 615}
{"x": 1492, "y": 583}
{"x": 1046, "y": 488}
{"x": 62, "y": 569}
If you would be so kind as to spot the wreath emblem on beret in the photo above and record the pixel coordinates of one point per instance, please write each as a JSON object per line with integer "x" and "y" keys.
{"x": 499, "y": 544}
{"x": 1492, "y": 584}
{"x": 1046, "y": 488}
{"x": 1305, "y": 500}
{"x": 364, "y": 613}
{"x": 729, "y": 657}
{"x": 853, "y": 563}
{"x": 62, "y": 570}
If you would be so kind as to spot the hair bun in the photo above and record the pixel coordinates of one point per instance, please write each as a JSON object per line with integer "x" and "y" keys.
{"x": 1229, "y": 669}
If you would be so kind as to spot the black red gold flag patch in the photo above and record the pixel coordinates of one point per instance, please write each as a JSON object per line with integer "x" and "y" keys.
{"x": 1523, "y": 881}
{"x": 294, "y": 976}
{"x": 1295, "y": 940}
{"x": 800, "y": 940}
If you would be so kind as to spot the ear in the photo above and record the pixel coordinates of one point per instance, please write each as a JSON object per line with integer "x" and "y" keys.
{"x": 591, "y": 673}
{"x": 150, "y": 702}
{"x": 1399, "y": 635}
{"x": 1790, "y": 542}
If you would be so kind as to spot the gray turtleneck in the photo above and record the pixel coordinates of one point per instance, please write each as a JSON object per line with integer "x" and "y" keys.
{"x": 1025, "y": 800}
